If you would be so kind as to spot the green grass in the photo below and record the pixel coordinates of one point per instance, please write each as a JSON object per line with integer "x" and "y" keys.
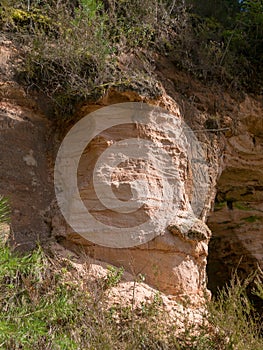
{"x": 242, "y": 206}
{"x": 4, "y": 210}
{"x": 252, "y": 218}
{"x": 235, "y": 317}
{"x": 73, "y": 51}
{"x": 45, "y": 304}
{"x": 219, "y": 205}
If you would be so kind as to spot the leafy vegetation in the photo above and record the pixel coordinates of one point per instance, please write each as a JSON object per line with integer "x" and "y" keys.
{"x": 4, "y": 210}
{"x": 230, "y": 32}
{"x": 235, "y": 316}
{"x": 71, "y": 50}
{"x": 114, "y": 276}
{"x": 44, "y": 304}
{"x": 252, "y": 218}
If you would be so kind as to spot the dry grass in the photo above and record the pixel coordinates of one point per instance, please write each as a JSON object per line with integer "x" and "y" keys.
{"x": 45, "y": 304}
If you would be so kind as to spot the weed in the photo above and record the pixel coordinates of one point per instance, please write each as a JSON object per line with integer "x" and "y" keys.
{"x": 4, "y": 210}
{"x": 242, "y": 206}
{"x": 234, "y": 318}
{"x": 252, "y": 218}
{"x": 114, "y": 276}
{"x": 43, "y": 305}
{"x": 219, "y": 205}
{"x": 40, "y": 310}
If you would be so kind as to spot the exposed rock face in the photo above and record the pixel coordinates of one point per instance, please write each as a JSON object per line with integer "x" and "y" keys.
{"x": 236, "y": 223}
{"x": 24, "y": 167}
{"x": 129, "y": 292}
{"x": 24, "y": 175}
{"x": 175, "y": 260}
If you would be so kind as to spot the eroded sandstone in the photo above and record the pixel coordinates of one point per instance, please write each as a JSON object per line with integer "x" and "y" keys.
{"x": 230, "y": 132}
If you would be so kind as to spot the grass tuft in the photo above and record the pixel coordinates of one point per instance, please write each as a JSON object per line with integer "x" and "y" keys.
{"x": 44, "y": 305}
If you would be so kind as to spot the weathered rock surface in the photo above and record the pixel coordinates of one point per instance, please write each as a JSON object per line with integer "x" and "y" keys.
{"x": 236, "y": 223}
{"x": 129, "y": 292}
{"x": 24, "y": 176}
{"x": 231, "y": 133}
{"x": 175, "y": 260}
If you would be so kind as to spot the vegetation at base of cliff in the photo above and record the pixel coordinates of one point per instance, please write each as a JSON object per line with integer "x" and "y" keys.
{"x": 45, "y": 304}
{"x": 73, "y": 50}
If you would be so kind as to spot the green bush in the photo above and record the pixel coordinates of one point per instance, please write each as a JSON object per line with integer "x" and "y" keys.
{"x": 45, "y": 305}
{"x": 237, "y": 34}
{"x": 114, "y": 276}
{"x": 235, "y": 317}
{"x": 71, "y": 50}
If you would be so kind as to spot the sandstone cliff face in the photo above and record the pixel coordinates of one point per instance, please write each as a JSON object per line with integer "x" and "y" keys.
{"x": 175, "y": 260}
{"x": 236, "y": 222}
{"x": 24, "y": 175}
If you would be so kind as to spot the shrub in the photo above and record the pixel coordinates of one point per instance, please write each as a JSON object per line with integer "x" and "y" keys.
{"x": 45, "y": 305}
{"x": 71, "y": 50}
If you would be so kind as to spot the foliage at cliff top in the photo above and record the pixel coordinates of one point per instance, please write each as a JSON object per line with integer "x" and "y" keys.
{"x": 73, "y": 50}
